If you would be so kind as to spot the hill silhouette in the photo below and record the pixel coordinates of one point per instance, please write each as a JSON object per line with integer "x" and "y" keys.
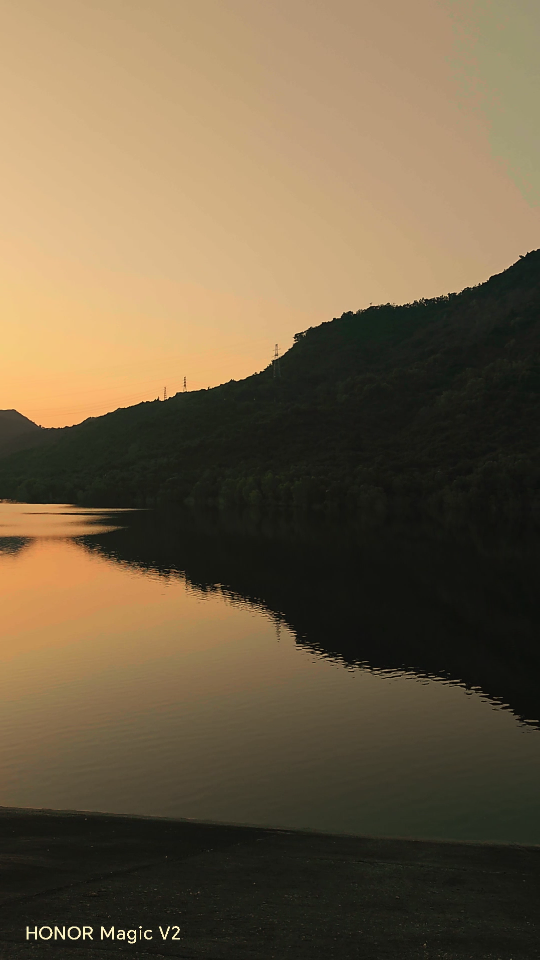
{"x": 18, "y": 432}
{"x": 428, "y": 408}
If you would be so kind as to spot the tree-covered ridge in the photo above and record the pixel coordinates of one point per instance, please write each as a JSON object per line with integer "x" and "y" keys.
{"x": 18, "y": 432}
{"x": 432, "y": 407}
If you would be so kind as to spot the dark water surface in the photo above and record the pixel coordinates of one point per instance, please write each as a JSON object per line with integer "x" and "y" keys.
{"x": 269, "y": 673}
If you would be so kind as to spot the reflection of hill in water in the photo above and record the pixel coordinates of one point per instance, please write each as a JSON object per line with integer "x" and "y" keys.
{"x": 13, "y": 544}
{"x": 433, "y": 608}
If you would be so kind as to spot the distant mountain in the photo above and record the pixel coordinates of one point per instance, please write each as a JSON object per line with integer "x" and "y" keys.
{"x": 18, "y": 432}
{"x": 427, "y": 409}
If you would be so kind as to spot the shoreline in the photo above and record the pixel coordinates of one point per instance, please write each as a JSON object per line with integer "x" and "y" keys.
{"x": 103, "y": 815}
{"x": 240, "y": 891}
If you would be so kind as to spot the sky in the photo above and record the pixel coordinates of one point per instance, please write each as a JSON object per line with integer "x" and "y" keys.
{"x": 186, "y": 183}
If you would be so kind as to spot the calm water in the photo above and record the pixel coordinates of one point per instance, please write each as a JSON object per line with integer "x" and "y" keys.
{"x": 180, "y": 668}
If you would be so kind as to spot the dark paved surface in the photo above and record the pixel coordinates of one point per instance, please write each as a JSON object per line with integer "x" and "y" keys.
{"x": 241, "y": 893}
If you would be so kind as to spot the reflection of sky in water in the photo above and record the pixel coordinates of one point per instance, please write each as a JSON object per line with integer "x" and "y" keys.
{"x": 128, "y": 692}
{"x": 57, "y": 520}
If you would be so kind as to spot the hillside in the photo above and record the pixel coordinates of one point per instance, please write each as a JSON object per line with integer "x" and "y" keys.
{"x": 18, "y": 432}
{"x": 427, "y": 408}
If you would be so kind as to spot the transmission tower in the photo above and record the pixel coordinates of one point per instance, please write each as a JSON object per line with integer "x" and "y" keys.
{"x": 185, "y": 387}
{"x": 275, "y": 362}
{"x": 164, "y": 393}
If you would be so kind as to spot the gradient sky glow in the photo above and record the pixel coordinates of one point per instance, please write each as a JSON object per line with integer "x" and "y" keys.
{"x": 186, "y": 183}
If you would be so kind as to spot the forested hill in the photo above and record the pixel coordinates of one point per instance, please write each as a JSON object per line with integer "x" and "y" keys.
{"x": 18, "y": 432}
{"x": 432, "y": 407}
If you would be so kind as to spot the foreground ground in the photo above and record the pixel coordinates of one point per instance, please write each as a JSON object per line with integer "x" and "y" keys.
{"x": 240, "y": 893}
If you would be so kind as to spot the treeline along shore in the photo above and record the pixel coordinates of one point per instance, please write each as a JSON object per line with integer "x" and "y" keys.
{"x": 431, "y": 409}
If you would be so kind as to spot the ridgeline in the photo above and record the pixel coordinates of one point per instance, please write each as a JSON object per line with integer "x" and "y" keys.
{"x": 18, "y": 432}
{"x": 427, "y": 409}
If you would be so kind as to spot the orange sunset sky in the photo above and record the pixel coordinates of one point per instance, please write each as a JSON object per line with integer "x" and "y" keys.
{"x": 187, "y": 182}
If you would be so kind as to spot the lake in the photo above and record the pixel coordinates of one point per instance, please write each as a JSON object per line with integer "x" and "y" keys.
{"x": 269, "y": 672}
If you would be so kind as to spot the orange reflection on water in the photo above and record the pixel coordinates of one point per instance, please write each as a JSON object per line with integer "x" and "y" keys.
{"x": 129, "y": 691}
{"x": 44, "y": 520}
{"x": 70, "y": 616}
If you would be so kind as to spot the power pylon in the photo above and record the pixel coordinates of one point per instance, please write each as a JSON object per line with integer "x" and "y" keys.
{"x": 164, "y": 393}
{"x": 185, "y": 387}
{"x": 275, "y": 362}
